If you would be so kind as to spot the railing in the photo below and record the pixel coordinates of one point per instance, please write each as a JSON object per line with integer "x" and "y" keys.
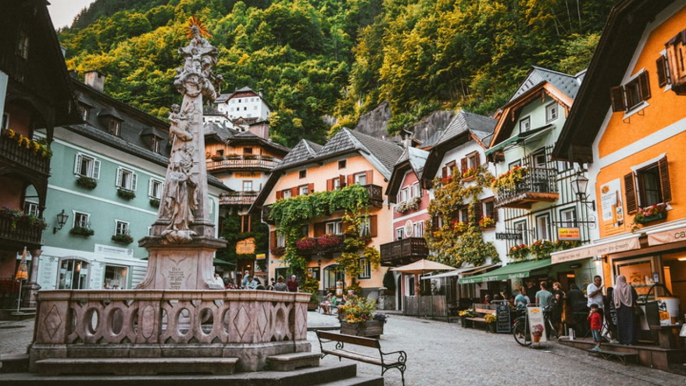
{"x": 430, "y": 305}
{"x": 323, "y": 244}
{"x": 403, "y": 251}
{"x": 21, "y": 233}
{"x": 97, "y": 323}
{"x": 536, "y": 180}
{"x": 12, "y": 152}
{"x": 375, "y": 195}
{"x": 241, "y": 162}
{"x": 238, "y": 198}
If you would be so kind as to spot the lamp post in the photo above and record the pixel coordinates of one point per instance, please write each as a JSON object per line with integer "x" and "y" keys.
{"x": 579, "y": 186}
{"x": 61, "y": 220}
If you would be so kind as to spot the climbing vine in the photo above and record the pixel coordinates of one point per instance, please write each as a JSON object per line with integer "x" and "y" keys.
{"x": 291, "y": 213}
{"x": 452, "y": 241}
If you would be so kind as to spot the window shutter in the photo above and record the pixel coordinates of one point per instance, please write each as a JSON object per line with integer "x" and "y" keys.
{"x": 370, "y": 177}
{"x": 134, "y": 181}
{"x": 444, "y": 172}
{"x": 345, "y": 226}
{"x": 329, "y": 185}
{"x": 463, "y": 165}
{"x": 272, "y": 239}
{"x": 150, "y": 193}
{"x": 373, "y": 231}
{"x": 477, "y": 159}
{"x": 617, "y": 98}
{"x": 319, "y": 229}
{"x": 310, "y": 188}
{"x": 630, "y": 193}
{"x": 77, "y": 164}
{"x": 644, "y": 85}
{"x": 661, "y": 65}
{"x": 279, "y": 194}
{"x": 96, "y": 170}
{"x": 120, "y": 171}
{"x": 351, "y": 179}
{"x": 341, "y": 181}
{"x": 478, "y": 211}
{"x": 294, "y": 192}
{"x": 664, "y": 180}
{"x": 495, "y": 214}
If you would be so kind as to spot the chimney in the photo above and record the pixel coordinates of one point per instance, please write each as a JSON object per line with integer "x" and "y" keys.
{"x": 95, "y": 79}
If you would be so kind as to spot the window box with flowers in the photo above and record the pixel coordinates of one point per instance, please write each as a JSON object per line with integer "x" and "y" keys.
{"x": 126, "y": 194}
{"x": 87, "y": 182}
{"x": 278, "y": 251}
{"x": 460, "y": 226}
{"x": 541, "y": 249}
{"x": 651, "y": 213}
{"x": 519, "y": 252}
{"x": 155, "y": 202}
{"x": 486, "y": 222}
{"x": 469, "y": 174}
{"x": 408, "y": 205}
{"x": 306, "y": 244}
{"x": 123, "y": 239}
{"x": 81, "y": 231}
{"x": 329, "y": 241}
{"x": 509, "y": 179}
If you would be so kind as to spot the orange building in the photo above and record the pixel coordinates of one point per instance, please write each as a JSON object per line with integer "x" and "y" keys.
{"x": 628, "y": 124}
{"x": 348, "y": 158}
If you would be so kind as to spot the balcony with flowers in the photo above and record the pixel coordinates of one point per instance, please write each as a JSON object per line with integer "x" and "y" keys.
{"x": 539, "y": 249}
{"x": 34, "y": 156}
{"x": 19, "y": 229}
{"x": 522, "y": 187}
{"x": 324, "y": 244}
{"x": 408, "y": 205}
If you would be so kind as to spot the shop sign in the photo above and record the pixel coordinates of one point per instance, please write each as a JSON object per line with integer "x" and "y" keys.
{"x": 246, "y": 246}
{"x": 596, "y": 250}
{"x": 567, "y": 234}
{"x": 247, "y": 175}
{"x": 537, "y": 324}
{"x": 665, "y": 237}
{"x": 110, "y": 251}
{"x": 260, "y": 256}
{"x": 508, "y": 236}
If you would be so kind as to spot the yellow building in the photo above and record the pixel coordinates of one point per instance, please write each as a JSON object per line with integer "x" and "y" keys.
{"x": 349, "y": 158}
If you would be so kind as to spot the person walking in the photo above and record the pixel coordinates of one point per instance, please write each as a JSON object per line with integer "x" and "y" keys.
{"x": 577, "y": 302}
{"x": 624, "y": 297}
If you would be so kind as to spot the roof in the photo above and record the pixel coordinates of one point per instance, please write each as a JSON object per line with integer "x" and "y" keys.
{"x": 413, "y": 159}
{"x": 621, "y": 36}
{"x": 568, "y": 84}
{"x": 304, "y": 150}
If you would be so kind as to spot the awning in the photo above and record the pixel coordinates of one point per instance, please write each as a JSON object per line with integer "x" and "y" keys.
{"x": 461, "y": 271}
{"x": 222, "y": 262}
{"x": 521, "y": 137}
{"x": 667, "y": 235}
{"x": 510, "y": 271}
{"x": 599, "y": 249}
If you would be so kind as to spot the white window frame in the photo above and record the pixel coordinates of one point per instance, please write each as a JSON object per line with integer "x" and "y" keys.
{"x": 416, "y": 190}
{"x": 567, "y": 221}
{"x": 359, "y": 176}
{"x": 336, "y": 184}
{"x": 543, "y": 231}
{"x": 92, "y": 166}
{"x": 525, "y": 124}
{"x": 247, "y": 184}
{"x": 365, "y": 269}
{"x": 418, "y": 229}
{"x": 551, "y": 112}
{"x": 399, "y": 233}
{"x": 114, "y": 126}
{"x": 31, "y": 208}
{"x": 523, "y": 231}
{"x": 122, "y": 227}
{"x": 81, "y": 219}
{"x": 127, "y": 179}
{"x": 154, "y": 192}
{"x": 287, "y": 193}
{"x": 303, "y": 190}
{"x": 334, "y": 227}
{"x": 280, "y": 240}
{"x": 366, "y": 227}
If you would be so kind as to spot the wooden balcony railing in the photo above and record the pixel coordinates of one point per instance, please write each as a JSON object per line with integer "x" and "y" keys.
{"x": 238, "y": 198}
{"x": 12, "y": 153}
{"x": 403, "y": 251}
{"x": 375, "y": 195}
{"x": 538, "y": 185}
{"x": 243, "y": 162}
{"x": 20, "y": 233}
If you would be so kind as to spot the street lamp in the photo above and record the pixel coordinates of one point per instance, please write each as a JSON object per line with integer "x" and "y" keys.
{"x": 579, "y": 186}
{"x": 61, "y": 220}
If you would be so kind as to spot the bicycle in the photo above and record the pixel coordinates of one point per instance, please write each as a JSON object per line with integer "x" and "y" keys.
{"x": 520, "y": 327}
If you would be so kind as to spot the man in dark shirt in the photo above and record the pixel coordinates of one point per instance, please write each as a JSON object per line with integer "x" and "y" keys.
{"x": 292, "y": 284}
{"x": 577, "y": 302}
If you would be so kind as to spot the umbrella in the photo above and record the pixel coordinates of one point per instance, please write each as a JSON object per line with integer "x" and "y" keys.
{"x": 22, "y": 274}
{"x": 423, "y": 266}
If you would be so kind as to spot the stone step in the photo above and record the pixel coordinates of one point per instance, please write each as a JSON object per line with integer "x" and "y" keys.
{"x": 358, "y": 381}
{"x": 14, "y": 363}
{"x": 292, "y": 361}
{"x": 136, "y": 366}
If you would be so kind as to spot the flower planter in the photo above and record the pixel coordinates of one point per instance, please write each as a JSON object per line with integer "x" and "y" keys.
{"x": 655, "y": 217}
{"x": 491, "y": 327}
{"x": 373, "y": 328}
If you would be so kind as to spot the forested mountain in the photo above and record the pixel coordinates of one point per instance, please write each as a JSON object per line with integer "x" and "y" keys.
{"x": 334, "y": 57}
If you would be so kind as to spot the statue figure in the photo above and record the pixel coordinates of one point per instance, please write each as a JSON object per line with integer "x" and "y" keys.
{"x": 179, "y": 125}
{"x": 182, "y": 195}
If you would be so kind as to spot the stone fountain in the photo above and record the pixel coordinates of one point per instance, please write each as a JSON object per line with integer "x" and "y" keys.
{"x": 177, "y": 319}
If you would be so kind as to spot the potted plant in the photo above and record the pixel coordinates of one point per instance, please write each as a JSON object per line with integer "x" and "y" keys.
{"x": 155, "y": 202}
{"x": 652, "y": 213}
{"x": 361, "y": 318}
{"x": 464, "y": 314}
{"x": 519, "y": 252}
{"x": 122, "y": 239}
{"x": 81, "y": 231}
{"x": 486, "y": 222}
{"x": 490, "y": 321}
{"x": 86, "y": 182}
{"x": 126, "y": 194}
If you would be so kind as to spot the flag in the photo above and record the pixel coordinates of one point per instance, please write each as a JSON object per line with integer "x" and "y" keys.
{"x": 22, "y": 271}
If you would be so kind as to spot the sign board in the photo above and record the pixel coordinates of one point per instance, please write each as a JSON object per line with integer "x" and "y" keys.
{"x": 665, "y": 237}
{"x": 246, "y": 246}
{"x": 508, "y": 236}
{"x": 503, "y": 319}
{"x": 408, "y": 228}
{"x": 536, "y": 324}
{"x": 566, "y": 234}
{"x": 247, "y": 175}
{"x": 110, "y": 251}
{"x": 596, "y": 250}
{"x": 260, "y": 256}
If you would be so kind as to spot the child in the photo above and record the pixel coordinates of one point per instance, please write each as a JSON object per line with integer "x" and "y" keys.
{"x": 596, "y": 321}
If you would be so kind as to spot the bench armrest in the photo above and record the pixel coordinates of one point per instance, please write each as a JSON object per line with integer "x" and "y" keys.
{"x": 402, "y": 356}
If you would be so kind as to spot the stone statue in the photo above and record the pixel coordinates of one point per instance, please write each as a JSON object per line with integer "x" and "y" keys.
{"x": 179, "y": 125}
{"x": 182, "y": 196}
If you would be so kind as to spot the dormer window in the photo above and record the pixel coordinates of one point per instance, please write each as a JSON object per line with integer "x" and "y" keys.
{"x": 23, "y": 45}
{"x": 551, "y": 112}
{"x": 155, "y": 145}
{"x": 114, "y": 126}
{"x": 85, "y": 111}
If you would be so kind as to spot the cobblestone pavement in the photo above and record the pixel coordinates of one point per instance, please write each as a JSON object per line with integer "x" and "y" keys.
{"x": 440, "y": 354}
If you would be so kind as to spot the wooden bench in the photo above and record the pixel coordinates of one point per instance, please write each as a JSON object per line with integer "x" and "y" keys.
{"x": 622, "y": 356}
{"x": 481, "y": 311}
{"x": 387, "y": 360}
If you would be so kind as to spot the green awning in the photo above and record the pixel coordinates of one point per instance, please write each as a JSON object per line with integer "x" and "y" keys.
{"x": 222, "y": 262}
{"x": 520, "y": 137}
{"x": 501, "y": 145}
{"x": 510, "y": 271}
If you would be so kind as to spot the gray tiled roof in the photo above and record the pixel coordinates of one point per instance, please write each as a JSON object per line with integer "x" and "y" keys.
{"x": 386, "y": 152}
{"x": 481, "y": 126}
{"x": 303, "y": 151}
{"x": 417, "y": 159}
{"x": 568, "y": 84}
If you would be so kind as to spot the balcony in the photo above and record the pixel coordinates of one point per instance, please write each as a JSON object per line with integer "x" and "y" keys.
{"x": 326, "y": 244}
{"x": 20, "y": 234}
{"x": 375, "y": 195}
{"x": 254, "y": 162}
{"x": 21, "y": 158}
{"x": 238, "y": 198}
{"x": 266, "y": 210}
{"x": 537, "y": 185}
{"x": 403, "y": 251}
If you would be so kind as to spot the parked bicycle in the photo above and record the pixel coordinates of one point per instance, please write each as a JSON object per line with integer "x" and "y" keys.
{"x": 520, "y": 327}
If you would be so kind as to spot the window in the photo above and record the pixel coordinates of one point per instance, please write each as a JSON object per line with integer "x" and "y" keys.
{"x": 471, "y": 161}
{"x": 663, "y": 76}
{"x": 403, "y": 194}
{"x": 513, "y": 164}
{"x": 336, "y": 183}
{"x": 31, "y": 208}
{"x": 525, "y": 124}
{"x": 302, "y": 174}
{"x": 304, "y": 231}
{"x": 247, "y": 150}
{"x": 115, "y": 127}
{"x": 121, "y": 228}
{"x": 334, "y": 228}
{"x": 155, "y": 189}
{"x": 115, "y": 277}
{"x": 366, "y": 227}
{"x": 287, "y": 193}
{"x": 126, "y": 179}
{"x": 85, "y": 112}
{"x": 463, "y": 213}
{"x": 23, "y": 45}
{"x": 155, "y": 144}
{"x": 365, "y": 269}
{"x": 543, "y": 227}
{"x": 400, "y": 233}
{"x": 247, "y": 186}
{"x": 418, "y": 229}
{"x": 568, "y": 218}
{"x": 280, "y": 240}
{"x": 632, "y": 94}
{"x": 551, "y": 112}
{"x": 539, "y": 159}
{"x": 303, "y": 190}
{"x": 73, "y": 274}
{"x": 490, "y": 210}
{"x": 361, "y": 178}
{"x": 416, "y": 190}
{"x": 81, "y": 220}
{"x": 342, "y": 164}
{"x": 87, "y": 166}
{"x": 648, "y": 185}
{"x": 520, "y": 228}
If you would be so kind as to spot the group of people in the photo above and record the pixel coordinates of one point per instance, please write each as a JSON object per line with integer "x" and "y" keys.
{"x": 617, "y": 308}
{"x": 253, "y": 283}
{"x": 332, "y": 301}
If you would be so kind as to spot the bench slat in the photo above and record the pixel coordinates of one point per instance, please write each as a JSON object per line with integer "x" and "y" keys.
{"x": 352, "y": 339}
